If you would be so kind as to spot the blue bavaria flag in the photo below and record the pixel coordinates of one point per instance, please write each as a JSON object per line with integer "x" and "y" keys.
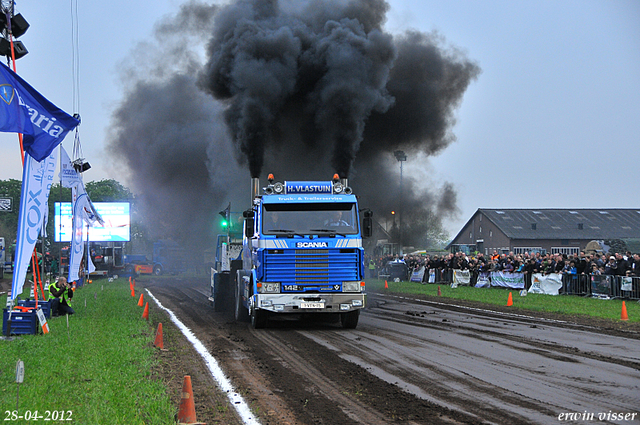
{"x": 24, "y": 110}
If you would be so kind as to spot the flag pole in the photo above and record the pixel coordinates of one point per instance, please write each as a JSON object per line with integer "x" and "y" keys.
{"x": 13, "y": 60}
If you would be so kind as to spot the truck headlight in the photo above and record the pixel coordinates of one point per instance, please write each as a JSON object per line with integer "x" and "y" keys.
{"x": 351, "y": 286}
{"x": 269, "y": 287}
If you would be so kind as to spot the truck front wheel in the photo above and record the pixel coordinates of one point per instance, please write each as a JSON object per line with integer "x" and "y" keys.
{"x": 350, "y": 320}
{"x": 259, "y": 318}
{"x": 157, "y": 270}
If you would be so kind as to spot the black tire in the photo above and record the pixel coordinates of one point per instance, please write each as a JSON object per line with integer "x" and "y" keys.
{"x": 241, "y": 313}
{"x": 221, "y": 293}
{"x": 350, "y": 320}
{"x": 157, "y": 270}
{"x": 214, "y": 301}
{"x": 130, "y": 271}
{"x": 259, "y": 318}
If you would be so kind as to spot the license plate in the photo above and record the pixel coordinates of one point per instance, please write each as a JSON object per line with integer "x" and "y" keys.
{"x": 311, "y": 305}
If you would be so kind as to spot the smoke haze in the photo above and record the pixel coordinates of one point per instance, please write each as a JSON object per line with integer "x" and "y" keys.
{"x": 300, "y": 89}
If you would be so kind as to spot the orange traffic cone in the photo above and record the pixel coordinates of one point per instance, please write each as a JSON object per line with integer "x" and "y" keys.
{"x": 510, "y": 300}
{"x": 140, "y": 301}
{"x": 439, "y": 291}
{"x": 145, "y": 314}
{"x": 386, "y": 286}
{"x": 623, "y": 315}
{"x": 133, "y": 293}
{"x": 158, "y": 342}
{"x": 187, "y": 412}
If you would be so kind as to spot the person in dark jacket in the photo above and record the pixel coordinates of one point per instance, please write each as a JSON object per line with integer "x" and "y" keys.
{"x": 623, "y": 265}
{"x": 635, "y": 266}
{"x": 60, "y": 294}
{"x": 611, "y": 268}
{"x": 582, "y": 265}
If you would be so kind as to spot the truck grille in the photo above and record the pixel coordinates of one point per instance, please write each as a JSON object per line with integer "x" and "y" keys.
{"x": 311, "y": 270}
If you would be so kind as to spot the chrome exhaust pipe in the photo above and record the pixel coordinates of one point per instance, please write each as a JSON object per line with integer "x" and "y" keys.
{"x": 255, "y": 188}
{"x": 345, "y": 184}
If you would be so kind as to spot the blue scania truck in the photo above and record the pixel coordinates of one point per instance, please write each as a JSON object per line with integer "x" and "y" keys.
{"x": 302, "y": 253}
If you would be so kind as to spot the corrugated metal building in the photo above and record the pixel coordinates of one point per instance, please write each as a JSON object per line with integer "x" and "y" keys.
{"x": 552, "y": 230}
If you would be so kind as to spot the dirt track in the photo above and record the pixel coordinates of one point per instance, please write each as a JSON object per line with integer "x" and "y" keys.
{"x": 412, "y": 361}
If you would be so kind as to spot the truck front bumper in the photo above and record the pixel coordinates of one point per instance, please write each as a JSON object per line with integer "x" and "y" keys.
{"x": 309, "y": 303}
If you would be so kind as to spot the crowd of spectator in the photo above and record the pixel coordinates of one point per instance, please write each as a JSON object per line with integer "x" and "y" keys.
{"x": 615, "y": 264}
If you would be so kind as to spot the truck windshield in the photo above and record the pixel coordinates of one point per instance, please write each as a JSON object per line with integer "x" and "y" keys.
{"x": 309, "y": 219}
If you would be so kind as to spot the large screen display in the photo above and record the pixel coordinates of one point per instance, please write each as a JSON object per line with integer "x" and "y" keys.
{"x": 117, "y": 223}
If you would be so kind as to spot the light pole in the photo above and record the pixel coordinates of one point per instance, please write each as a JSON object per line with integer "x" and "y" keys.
{"x": 401, "y": 157}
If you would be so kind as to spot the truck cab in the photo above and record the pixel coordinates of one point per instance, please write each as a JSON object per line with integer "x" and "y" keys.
{"x": 302, "y": 253}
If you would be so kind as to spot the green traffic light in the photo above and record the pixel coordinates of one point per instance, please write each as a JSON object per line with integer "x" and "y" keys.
{"x": 224, "y": 223}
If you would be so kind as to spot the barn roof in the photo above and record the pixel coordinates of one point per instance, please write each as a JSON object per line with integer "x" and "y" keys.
{"x": 566, "y": 223}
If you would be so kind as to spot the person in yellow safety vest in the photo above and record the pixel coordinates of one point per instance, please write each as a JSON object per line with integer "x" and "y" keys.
{"x": 372, "y": 269}
{"x": 60, "y": 294}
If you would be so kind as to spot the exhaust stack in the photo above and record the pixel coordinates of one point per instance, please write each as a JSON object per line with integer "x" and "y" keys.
{"x": 255, "y": 187}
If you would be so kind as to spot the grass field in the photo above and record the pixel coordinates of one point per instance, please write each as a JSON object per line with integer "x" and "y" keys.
{"x": 562, "y": 304}
{"x": 98, "y": 370}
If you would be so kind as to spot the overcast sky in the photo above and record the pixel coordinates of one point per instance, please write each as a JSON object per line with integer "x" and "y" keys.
{"x": 553, "y": 121}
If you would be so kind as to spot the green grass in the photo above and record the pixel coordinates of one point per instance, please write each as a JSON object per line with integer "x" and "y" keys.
{"x": 99, "y": 367}
{"x": 563, "y": 304}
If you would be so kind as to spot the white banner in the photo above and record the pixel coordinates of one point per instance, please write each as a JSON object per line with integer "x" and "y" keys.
{"x": 483, "y": 280}
{"x": 77, "y": 245}
{"x": 462, "y": 277}
{"x": 417, "y": 275}
{"x": 37, "y": 178}
{"x": 549, "y": 284}
{"x": 507, "y": 280}
{"x": 69, "y": 177}
{"x": 83, "y": 212}
{"x": 432, "y": 275}
{"x": 627, "y": 284}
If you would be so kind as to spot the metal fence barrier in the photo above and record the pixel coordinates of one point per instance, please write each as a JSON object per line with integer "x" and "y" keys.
{"x": 622, "y": 287}
{"x": 576, "y": 284}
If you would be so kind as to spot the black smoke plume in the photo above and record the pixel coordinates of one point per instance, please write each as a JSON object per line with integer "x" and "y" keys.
{"x": 302, "y": 89}
{"x": 168, "y": 139}
{"x": 332, "y": 66}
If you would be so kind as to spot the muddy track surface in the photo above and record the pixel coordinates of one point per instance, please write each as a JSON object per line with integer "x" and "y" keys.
{"x": 411, "y": 361}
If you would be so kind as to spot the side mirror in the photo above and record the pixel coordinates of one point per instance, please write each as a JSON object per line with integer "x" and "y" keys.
{"x": 249, "y": 223}
{"x": 367, "y": 224}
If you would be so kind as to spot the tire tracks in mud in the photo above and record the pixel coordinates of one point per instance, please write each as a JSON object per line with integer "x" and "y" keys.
{"x": 190, "y": 305}
{"x": 557, "y": 351}
{"x": 288, "y": 379}
{"x": 504, "y": 370}
{"x": 409, "y": 362}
